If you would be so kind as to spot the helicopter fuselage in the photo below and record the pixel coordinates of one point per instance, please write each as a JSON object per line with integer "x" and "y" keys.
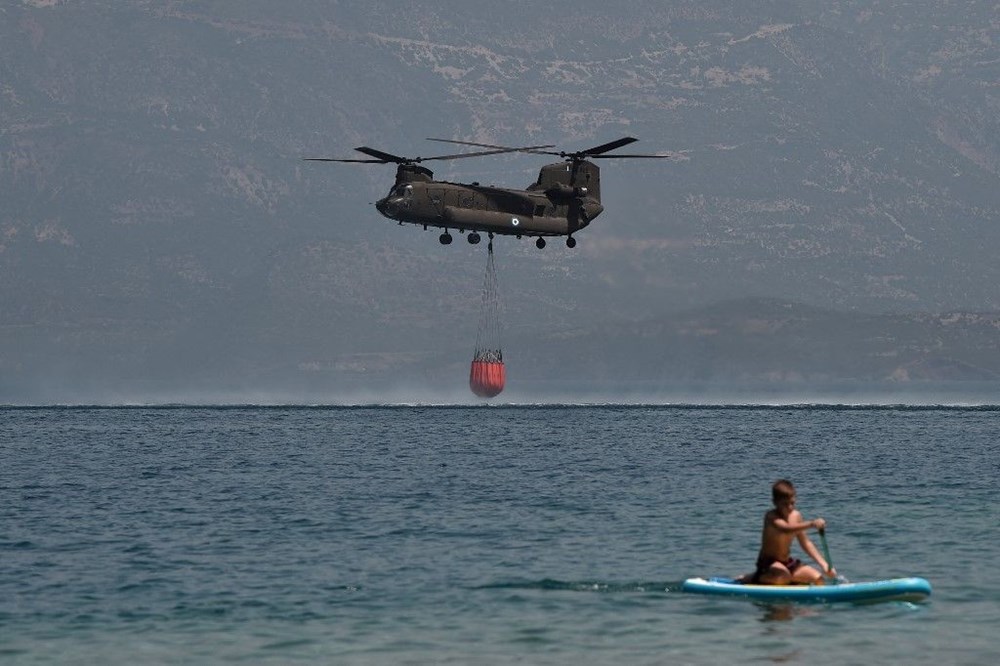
{"x": 565, "y": 198}
{"x": 551, "y": 206}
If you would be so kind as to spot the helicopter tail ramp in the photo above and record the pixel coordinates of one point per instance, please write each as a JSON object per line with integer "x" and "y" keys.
{"x": 488, "y": 375}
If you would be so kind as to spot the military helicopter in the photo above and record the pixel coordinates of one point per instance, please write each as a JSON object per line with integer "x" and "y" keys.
{"x": 565, "y": 198}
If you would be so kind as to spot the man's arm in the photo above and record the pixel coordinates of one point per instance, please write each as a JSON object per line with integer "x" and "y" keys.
{"x": 796, "y": 525}
{"x": 812, "y": 551}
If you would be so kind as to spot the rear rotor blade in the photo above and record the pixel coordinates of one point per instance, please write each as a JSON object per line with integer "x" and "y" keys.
{"x": 605, "y": 147}
{"x": 381, "y": 155}
{"x": 628, "y": 156}
{"x": 595, "y": 152}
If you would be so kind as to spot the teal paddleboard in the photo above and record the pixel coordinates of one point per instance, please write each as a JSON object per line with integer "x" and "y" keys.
{"x": 893, "y": 589}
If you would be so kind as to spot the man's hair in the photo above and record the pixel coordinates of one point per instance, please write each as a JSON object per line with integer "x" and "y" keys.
{"x": 782, "y": 490}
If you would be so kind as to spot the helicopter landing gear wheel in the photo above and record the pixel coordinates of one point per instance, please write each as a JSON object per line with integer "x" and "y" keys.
{"x": 473, "y": 238}
{"x": 570, "y": 242}
{"x": 445, "y": 238}
{"x": 540, "y": 243}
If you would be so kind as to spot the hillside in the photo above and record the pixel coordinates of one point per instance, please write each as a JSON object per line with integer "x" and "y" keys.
{"x": 160, "y": 233}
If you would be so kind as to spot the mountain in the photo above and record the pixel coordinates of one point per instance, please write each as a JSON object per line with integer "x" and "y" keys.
{"x": 761, "y": 340}
{"x": 160, "y": 235}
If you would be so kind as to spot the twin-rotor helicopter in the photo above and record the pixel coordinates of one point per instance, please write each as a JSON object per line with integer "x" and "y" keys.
{"x": 565, "y": 198}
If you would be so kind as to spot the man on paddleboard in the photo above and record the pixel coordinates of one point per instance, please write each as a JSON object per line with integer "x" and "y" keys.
{"x": 782, "y": 524}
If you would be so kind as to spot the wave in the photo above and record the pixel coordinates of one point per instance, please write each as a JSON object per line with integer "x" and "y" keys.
{"x": 551, "y": 584}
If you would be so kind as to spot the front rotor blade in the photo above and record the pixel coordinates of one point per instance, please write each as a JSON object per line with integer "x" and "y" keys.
{"x": 499, "y": 150}
{"x": 523, "y": 149}
{"x": 333, "y": 159}
{"x": 382, "y": 157}
{"x": 466, "y": 143}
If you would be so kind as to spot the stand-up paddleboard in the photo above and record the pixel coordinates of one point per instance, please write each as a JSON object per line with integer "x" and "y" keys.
{"x": 893, "y": 589}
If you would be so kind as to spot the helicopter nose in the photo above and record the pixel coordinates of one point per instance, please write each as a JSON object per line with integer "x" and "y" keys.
{"x": 382, "y": 206}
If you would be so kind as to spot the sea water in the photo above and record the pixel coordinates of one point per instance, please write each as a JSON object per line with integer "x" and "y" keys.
{"x": 485, "y": 535}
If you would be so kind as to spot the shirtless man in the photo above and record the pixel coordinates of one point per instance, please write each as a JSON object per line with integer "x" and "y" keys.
{"x": 775, "y": 565}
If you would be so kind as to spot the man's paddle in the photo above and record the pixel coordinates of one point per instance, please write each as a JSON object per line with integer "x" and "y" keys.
{"x": 826, "y": 555}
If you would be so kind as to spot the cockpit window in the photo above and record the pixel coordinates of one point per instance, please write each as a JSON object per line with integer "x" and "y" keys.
{"x": 405, "y": 191}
